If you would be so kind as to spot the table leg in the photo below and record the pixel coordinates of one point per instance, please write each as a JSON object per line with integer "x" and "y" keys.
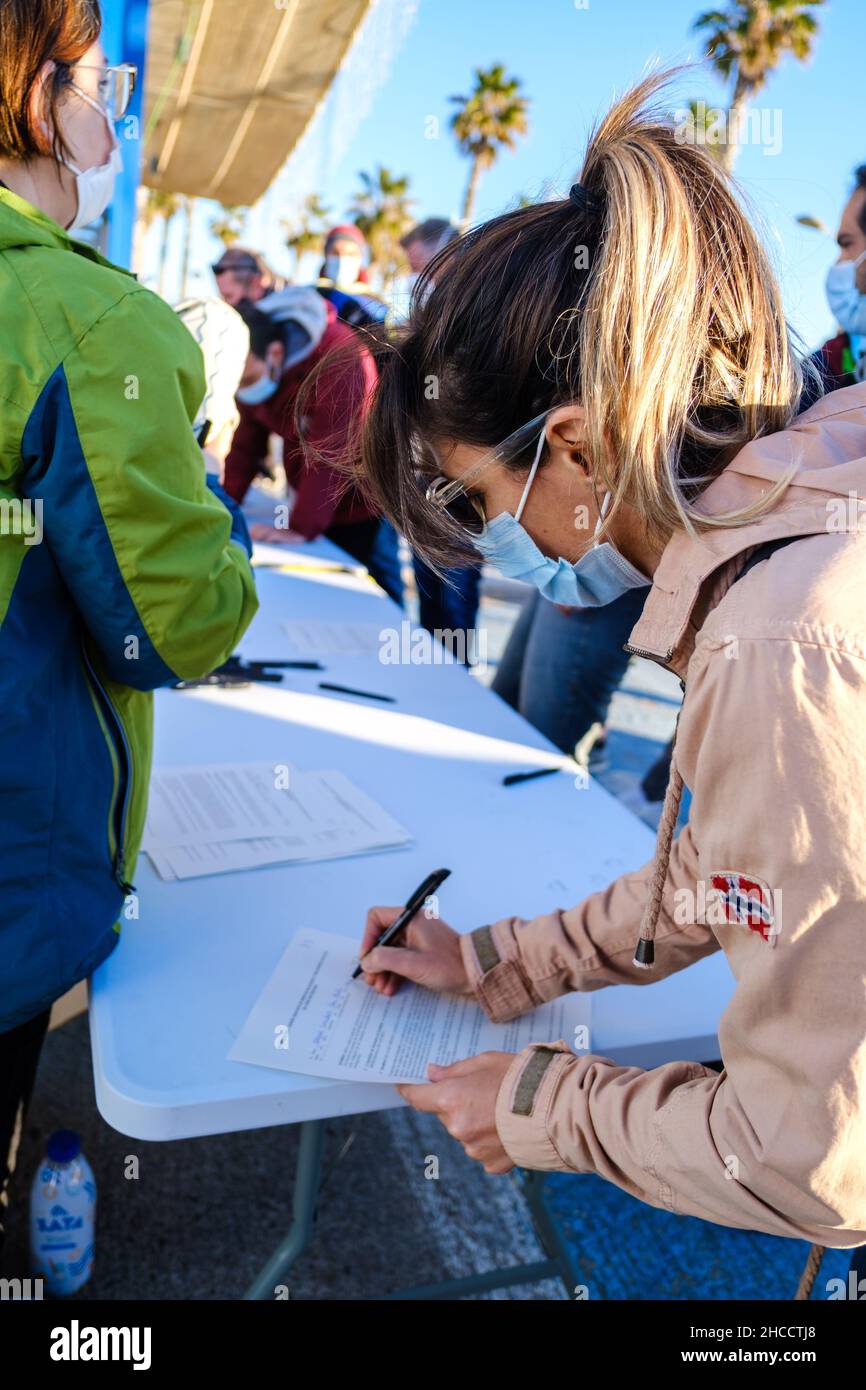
{"x": 304, "y": 1196}
{"x": 558, "y": 1264}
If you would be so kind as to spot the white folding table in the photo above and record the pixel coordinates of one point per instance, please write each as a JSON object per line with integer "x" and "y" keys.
{"x": 168, "y": 1003}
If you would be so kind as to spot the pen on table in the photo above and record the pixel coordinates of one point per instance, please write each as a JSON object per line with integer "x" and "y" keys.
{"x": 514, "y": 777}
{"x": 350, "y": 690}
{"x": 418, "y": 898}
{"x": 289, "y": 665}
{"x": 238, "y": 663}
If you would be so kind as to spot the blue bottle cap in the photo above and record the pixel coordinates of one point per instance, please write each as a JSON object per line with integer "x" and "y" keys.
{"x": 63, "y": 1146}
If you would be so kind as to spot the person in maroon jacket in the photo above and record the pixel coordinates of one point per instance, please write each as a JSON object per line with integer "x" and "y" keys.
{"x": 290, "y": 335}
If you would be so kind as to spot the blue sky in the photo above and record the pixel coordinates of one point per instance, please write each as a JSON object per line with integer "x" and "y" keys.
{"x": 571, "y": 60}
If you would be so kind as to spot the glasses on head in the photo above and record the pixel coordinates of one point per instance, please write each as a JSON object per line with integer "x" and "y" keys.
{"x": 246, "y": 265}
{"x": 453, "y": 495}
{"x": 114, "y": 86}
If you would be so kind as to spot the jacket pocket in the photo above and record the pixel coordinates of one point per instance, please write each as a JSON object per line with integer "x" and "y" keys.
{"x": 121, "y": 766}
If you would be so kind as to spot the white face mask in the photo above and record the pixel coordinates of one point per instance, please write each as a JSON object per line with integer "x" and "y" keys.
{"x": 259, "y": 392}
{"x": 95, "y": 186}
{"x": 343, "y": 270}
{"x": 846, "y": 302}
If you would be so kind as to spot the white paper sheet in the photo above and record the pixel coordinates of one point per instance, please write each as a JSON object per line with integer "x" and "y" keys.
{"x": 312, "y": 1018}
{"x": 315, "y": 638}
{"x": 320, "y": 815}
{"x": 223, "y": 801}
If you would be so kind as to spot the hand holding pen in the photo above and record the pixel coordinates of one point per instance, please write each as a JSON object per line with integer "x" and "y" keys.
{"x": 429, "y": 950}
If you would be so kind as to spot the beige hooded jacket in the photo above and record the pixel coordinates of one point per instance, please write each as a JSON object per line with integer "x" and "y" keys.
{"x": 771, "y": 869}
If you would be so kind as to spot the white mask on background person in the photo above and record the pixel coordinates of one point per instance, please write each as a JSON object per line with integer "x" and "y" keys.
{"x": 847, "y": 304}
{"x": 94, "y": 186}
{"x": 259, "y": 392}
{"x": 343, "y": 270}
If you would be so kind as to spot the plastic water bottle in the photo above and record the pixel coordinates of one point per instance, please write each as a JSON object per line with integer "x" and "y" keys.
{"x": 62, "y": 1215}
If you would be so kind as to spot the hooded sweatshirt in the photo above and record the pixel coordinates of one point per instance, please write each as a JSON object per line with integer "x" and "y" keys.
{"x": 339, "y": 396}
{"x": 770, "y": 869}
{"x": 120, "y": 571}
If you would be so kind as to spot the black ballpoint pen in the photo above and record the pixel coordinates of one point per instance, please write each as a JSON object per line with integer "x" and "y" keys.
{"x": 418, "y": 898}
{"x": 350, "y": 690}
{"x": 514, "y": 777}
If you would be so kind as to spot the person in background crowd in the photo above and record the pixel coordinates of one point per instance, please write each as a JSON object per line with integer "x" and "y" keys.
{"x": 291, "y": 335}
{"x": 343, "y": 279}
{"x": 123, "y": 572}
{"x": 562, "y": 665}
{"x": 447, "y": 603}
{"x": 422, "y": 241}
{"x": 241, "y": 273}
{"x": 844, "y": 357}
{"x": 224, "y": 340}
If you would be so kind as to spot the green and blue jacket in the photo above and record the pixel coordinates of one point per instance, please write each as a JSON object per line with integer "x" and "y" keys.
{"x": 120, "y": 571}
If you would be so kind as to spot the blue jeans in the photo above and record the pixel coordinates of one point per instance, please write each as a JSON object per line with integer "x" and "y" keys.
{"x": 560, "y": 670}
{"x": 374, "y": 543}
{"x": 450, "y": 609}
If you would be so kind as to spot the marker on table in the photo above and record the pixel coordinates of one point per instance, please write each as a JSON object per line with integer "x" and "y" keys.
{"x": 418, "y": 898}
{"x": 514, "y": 777}
{"x": 289, "y": 665}
{"x": 349, "y": 690}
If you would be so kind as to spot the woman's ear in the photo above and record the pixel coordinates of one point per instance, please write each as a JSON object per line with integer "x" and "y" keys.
{"x": 566, "y": 431}
{"x": 275, "y": 357}
{"x": 38, "y": 104}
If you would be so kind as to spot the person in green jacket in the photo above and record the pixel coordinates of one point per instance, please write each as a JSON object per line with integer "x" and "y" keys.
{"x": 120, "y": 570}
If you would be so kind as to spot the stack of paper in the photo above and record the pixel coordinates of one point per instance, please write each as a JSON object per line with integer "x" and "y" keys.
{"x": 313, "y": 1018}
{"x": 218, "y": 819}
{"x": 316, "y": 638}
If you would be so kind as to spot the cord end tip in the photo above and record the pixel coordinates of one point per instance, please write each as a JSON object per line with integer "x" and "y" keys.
{"x": 644, "y": 956}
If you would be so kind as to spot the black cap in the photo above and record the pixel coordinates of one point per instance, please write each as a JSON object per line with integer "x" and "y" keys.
{"x": 239, "y": 258}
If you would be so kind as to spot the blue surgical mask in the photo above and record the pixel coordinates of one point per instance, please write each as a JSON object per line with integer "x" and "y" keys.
{"x": 847, "y": 304}
{"x": 601, "y": 574}
{"x": 260, "y": 391}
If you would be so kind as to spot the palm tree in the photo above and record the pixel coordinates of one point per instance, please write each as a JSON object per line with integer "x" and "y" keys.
{"x": 489, "y": 120}
{"x": 228, "y": 225}
{"x": 160, "y": 203}
{"x": 381, "y": 210}
{"x": 188, "y": 209}
{"x": 308, "y": 232}
{"x": 747, "y": 42}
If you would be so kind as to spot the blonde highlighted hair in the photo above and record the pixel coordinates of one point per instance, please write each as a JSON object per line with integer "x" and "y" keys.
{"x": 667, "y": 327}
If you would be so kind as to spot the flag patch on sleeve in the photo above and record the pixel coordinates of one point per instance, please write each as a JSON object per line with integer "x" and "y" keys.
{"x": 748, "y": 901}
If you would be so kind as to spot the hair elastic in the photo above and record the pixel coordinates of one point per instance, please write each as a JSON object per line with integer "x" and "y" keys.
{"x": 586, "y": 201}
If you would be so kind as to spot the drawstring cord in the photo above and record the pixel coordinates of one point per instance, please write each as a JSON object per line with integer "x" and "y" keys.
{"x": 644, "y": 955}
{"x": 810, "y": 1272}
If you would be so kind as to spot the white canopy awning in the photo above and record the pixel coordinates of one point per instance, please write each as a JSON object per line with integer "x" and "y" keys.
{"x": 231, "y": 85}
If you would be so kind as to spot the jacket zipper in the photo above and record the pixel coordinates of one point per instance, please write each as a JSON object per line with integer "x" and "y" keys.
{"x": 659, "y": 660}
{"x": 121, "y": 801}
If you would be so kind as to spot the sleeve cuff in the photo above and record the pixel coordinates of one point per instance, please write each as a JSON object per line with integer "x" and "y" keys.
{"x": 493, "y": 970}
{"x": 524, "y": 1101}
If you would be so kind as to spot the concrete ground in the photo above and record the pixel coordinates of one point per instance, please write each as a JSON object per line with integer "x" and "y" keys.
{"x": 204, "y": 1214}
